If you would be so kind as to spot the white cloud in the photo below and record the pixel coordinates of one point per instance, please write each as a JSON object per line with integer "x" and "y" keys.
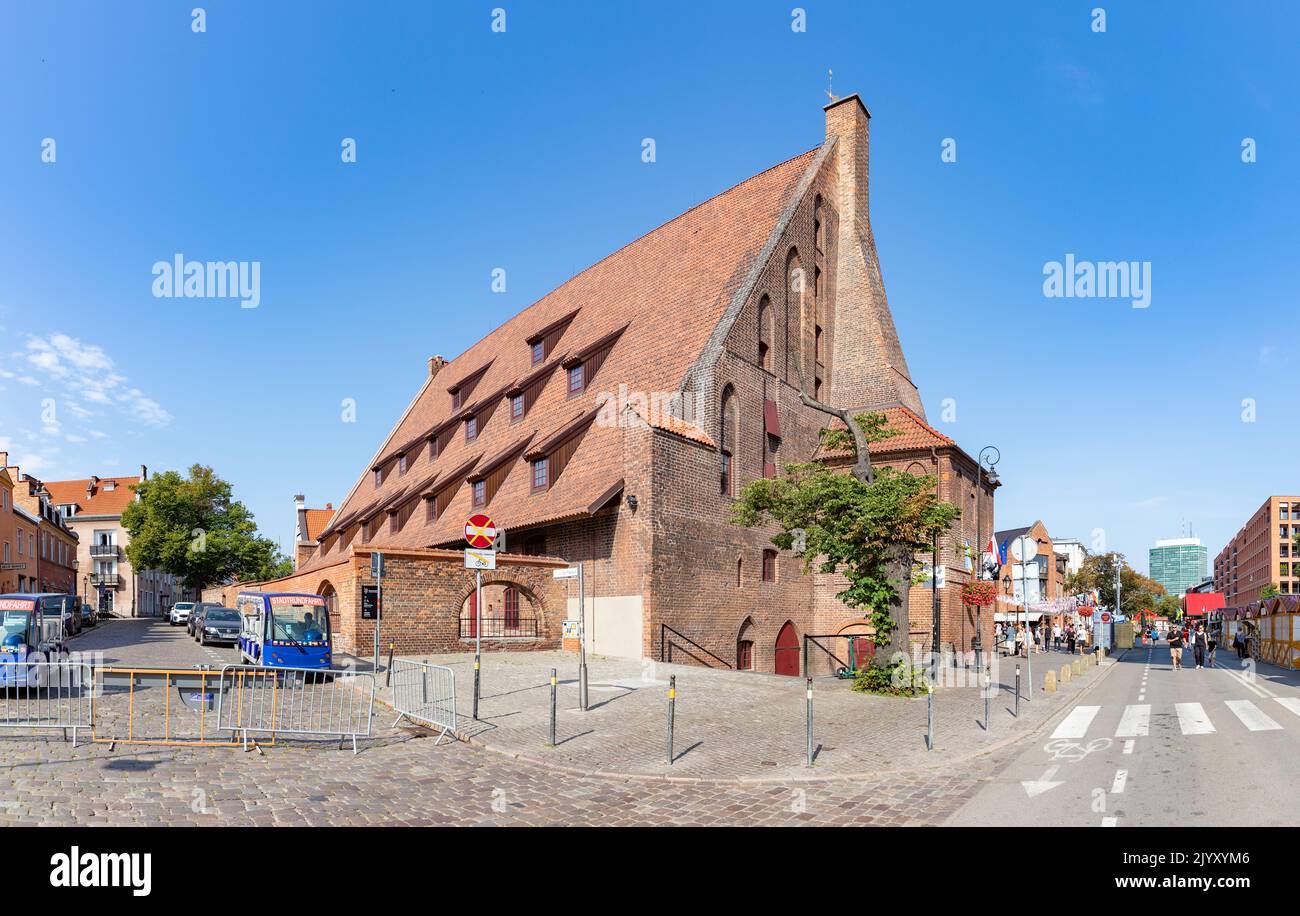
{"x": 86, "y": 371}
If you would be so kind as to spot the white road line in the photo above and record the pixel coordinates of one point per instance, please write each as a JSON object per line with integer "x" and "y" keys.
{"x": 1075, "y": 725}
{"x": 1109, "y": 821}
{"x": 1135, "y": 723}
{"x": 1251, "y": 716}
{"x": 1192, "y": 719}
{"x": 1121, "y": 777}
{"x": 1290, "y": 703}
{"x": 1128, "y": 746}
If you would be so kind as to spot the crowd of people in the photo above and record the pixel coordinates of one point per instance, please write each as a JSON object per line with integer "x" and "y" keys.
{"x": 1019, "y": 640}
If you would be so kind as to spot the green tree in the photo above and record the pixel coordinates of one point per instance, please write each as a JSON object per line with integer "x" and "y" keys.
{"x": 1268, "y": 591}
{"x": 865, "y": 524}
{"x": 1136, "y": 590}
{"x": 193, "y": 528}
{"x": 1169, "y": 606}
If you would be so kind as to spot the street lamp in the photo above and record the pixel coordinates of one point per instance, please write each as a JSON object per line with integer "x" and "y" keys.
{"x": 982, "y": 569}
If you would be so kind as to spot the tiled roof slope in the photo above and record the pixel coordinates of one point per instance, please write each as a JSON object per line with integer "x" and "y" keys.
{"x": 101, "y": 502}
{"x": 317, "y": 519}
{"x": 911, "y": 433}
{"x": 666, "y": 291}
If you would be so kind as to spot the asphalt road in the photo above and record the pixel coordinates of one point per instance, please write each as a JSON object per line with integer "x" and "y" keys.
{"x": 149, "y": 643}
{"x": 1151, "y": 746}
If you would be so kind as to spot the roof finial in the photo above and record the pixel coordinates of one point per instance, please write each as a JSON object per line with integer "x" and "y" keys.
{"x": 830, "y": 76}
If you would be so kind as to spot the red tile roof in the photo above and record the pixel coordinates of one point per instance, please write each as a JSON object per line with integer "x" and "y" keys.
{"x": 665, "y": 292}
{"x": 101, "y": 501}
{"x": 912, "y": 433}
{"x": 317, "y": 519}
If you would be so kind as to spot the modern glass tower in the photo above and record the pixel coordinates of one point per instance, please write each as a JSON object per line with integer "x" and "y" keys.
{"x": 1178, "y": 563}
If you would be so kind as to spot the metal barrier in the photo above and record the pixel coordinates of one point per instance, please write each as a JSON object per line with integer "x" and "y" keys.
{"x": 425, "y": 693}
{"x": 196, "y": 690}
{"x": 45, "y": 694}
{"x": 295, "y": 701}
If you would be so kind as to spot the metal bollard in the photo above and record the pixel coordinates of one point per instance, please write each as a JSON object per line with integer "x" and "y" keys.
{"x": 388, "y": 676}
{"x": 929, "y": 717}
{"x": 810, "y": 717}
{"x": 987, "y": 696}
{"x": 553, "y": 683}
{"x": 672, "y": 707}
{"x": 1017, "y": 691}
{"x": 476, "y": 675}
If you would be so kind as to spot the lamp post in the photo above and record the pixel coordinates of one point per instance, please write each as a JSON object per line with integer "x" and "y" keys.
{"x": 992, "y": 475}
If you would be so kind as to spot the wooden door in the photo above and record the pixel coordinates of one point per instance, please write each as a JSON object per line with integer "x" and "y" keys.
{"x": 787, "y": 651}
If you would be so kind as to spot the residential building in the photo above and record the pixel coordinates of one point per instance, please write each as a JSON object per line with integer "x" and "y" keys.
{"x": 51, "y": 545}
{"x": 1178, "y": 563}
{"x": 13, "y": 571}
{"x": 1073, "y": 551}
{"x": 613, "y": 423}
{"x": 93, "y": 509}
{"x": 1043, "y": 579}
{"x": 1262, "y": 553}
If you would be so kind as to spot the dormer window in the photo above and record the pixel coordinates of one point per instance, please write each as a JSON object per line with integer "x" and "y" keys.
{"x": 576, "y": 382}
{"x": 379, "y": 478}
{"x": 541, "y": 476}
{"x": 456, "y": 397}
{"x": 471, "y": 429}
{"x": 480, "y": 493}
{"x": 517, "y": 407}
{"x": 539, "y": 351}
{"x": 401, "y": 464}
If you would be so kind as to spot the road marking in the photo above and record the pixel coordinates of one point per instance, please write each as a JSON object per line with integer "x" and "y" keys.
{"x": 1192, "y": 719}
{"x": 1075, "y": 725}
{"x": 1290, "y": 703}
{"x": 1109, "y": 821}
{"x": 1128, "y": 746}
{"x": 1039, "y": 786}
{"x": 1121, "y": 777}
{"x": 1251, "y": 716}
{"x": 1135, "y": 723}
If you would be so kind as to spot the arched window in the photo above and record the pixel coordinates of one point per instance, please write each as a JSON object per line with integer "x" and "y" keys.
{"x": 795, "y": 286}
{"x": 765, "y": 333}
{"x": 727, "y": 440}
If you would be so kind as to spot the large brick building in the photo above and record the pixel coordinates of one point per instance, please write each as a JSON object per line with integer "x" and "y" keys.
{"x": 612, "y": 423}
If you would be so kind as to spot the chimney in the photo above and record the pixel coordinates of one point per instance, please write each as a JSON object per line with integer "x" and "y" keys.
{"x": 868, "y": 370}
{"x": 435, "y": 365}
{"x": 4, "y": 459}
{"x": 144, "y": 472}
{"x": 303, "y": 544}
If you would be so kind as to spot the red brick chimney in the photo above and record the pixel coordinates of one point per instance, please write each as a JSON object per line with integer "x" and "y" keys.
{"x": 869, "y": 370}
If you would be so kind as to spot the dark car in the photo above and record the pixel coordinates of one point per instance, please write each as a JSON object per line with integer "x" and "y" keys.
{"x": 217, "y": 624}
{"x": 88, "y": 616}
{"x": 192, "y": 624}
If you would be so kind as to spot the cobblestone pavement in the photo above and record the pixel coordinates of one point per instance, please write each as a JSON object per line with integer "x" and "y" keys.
{"x": 403, "y": 779}
{"x": 735, "y": 725}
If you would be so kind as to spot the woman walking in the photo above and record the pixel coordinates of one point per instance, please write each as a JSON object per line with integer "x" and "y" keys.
{"x": 1199, "y": 645}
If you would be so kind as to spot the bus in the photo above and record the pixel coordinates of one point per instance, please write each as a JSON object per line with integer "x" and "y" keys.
{"x": 284, "y": 630}
{"x": 31, "y": 629}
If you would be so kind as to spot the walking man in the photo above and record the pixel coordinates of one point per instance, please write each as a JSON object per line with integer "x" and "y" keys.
{"x": 1176, "y": 648}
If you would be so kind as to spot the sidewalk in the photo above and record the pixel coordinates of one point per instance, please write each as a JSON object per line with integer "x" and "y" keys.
{"x": 733, "y": 725}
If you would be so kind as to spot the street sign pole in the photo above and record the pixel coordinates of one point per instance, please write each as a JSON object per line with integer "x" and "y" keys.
{"x": 377, "y": 562}
{"x": 478, "y": 633}
{"x": 582, "y": 642}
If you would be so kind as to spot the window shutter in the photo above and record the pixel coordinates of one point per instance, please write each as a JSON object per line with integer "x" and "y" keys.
{"x": 771, "y": 421}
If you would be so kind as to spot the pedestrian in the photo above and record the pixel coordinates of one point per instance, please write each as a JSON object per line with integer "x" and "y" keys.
{"x": 1176, "y": 648}
{"x": 1070, "y": 637}
{"x": 1237, "y": 643}
{"x": 1056, "y": 636}
{"x": 1212, "y": 644}
{"x": 1199, "y": 645}
{"x": 1020, "y": 638}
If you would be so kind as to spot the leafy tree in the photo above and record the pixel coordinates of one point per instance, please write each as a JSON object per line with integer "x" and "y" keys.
{"x": 193, "y": 528}
{"x": 1136, "y": 590}
{"x": 866, "y": 524}
{"x": 1268, "y": 591}
{"x": 1169, "y": 606}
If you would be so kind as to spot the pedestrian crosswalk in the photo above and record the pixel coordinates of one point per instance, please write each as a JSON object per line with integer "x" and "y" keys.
{"x": 1135, "y": 721}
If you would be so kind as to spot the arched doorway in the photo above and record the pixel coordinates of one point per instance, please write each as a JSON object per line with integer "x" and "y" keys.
{"x": 787, "y": 651}
{"x": 745, "y": 646}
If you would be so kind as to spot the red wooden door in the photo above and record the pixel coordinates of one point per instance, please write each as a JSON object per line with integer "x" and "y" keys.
{"x": 473, "y": 615}
{"x": 787, "y": 651}
{"x": 512, "y": 609}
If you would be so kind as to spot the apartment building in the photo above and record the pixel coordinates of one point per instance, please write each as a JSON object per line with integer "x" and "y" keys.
{"x": 1262, "y": 553}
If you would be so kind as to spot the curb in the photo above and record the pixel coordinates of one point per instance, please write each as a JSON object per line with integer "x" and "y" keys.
{"x": 778, "y": 780}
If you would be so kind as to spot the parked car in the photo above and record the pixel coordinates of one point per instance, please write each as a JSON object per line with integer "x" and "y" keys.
{"x": 218, "y": 624}
{"x": 88, "y": 616}
{"x": 192, "y": 625}
{"x": 180, "y": 612}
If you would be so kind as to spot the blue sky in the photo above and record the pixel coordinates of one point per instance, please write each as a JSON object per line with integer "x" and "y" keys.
{"x": 521, "y": 150}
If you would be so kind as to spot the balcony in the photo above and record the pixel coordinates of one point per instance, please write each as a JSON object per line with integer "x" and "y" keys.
{"x": 105, "y": 550}
{"x": 105, "y": 580}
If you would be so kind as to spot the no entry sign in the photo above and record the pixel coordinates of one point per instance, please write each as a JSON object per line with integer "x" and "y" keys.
{"x": 1105, "y": 616}
{"x": 480, "y": 532}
